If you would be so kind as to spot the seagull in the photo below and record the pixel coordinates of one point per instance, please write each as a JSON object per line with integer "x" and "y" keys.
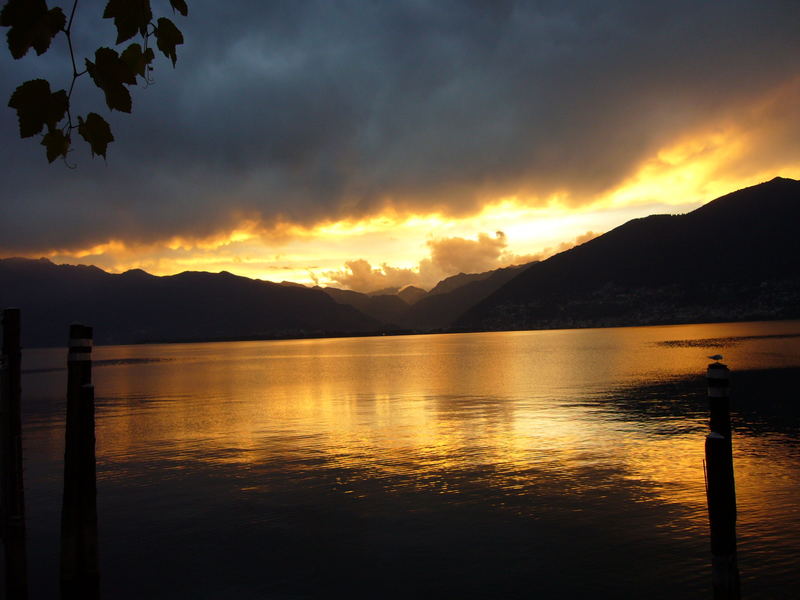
{"x": 716, "y": 357}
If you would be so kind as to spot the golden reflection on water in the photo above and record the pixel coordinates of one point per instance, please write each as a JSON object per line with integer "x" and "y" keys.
{"x": 522, "y": 412}
{"x": 465, "y": 461}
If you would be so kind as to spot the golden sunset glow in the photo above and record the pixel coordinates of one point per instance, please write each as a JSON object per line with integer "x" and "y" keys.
{"x": 733, "y": 150}
{"x": 398, "y": 299}
{"x": 437, "y": 405}
{"x": 678, "y": 179}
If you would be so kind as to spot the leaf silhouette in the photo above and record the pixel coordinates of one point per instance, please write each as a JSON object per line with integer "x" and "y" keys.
{"x": 137, "y": 60}
{"x": 32, "y": 25}
{"x": 179, "y": 6}
{"x": 36, "y": 106}
{"x": 109, "y": 72}
{"x": 130, "y": 17}
{"x": 96, "y": 131}
{"x": 167, "y": 38}
{"x": 57, "y": 144}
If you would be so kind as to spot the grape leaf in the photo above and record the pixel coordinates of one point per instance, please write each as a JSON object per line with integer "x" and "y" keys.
{"x": 109, "y": 68}
{"x": 36, "y": 106}
{"x": 57, "y": 144}
{"x": 32, "y": 25}
{"x": 137, "y": 60}
{"x": 130, "y": 17}
{"x": 179, "y": 6}
{"x": 167, "y": 37}
{"x": 96, "y": 132}
{"x": 119, "y": 98}
{"x": 109, "y": 72}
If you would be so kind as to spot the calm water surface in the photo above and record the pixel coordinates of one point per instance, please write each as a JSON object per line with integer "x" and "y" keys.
{"x": 490, "y": 465}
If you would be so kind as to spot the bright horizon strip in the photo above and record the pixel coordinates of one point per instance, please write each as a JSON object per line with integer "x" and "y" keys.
{"x": 677, "y": 179}
{"x": 311, "y": 252}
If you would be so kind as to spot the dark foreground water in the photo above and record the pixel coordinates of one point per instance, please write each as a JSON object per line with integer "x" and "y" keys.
{"x": 498, "y": 465}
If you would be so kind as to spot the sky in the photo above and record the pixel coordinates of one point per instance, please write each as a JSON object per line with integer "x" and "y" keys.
{"x": 368, "y": 144}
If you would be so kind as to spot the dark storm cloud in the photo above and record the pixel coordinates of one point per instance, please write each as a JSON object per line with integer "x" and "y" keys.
{"x": 305, "y": 111}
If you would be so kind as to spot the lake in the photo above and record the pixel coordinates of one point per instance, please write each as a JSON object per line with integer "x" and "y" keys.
{"x": 489, "y": 465}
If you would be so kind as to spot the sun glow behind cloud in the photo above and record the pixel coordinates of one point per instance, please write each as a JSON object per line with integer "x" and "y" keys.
{"x": 306, "y": 254}
{"x": 302, "y": 136}
{"x": 695, "y": 167}
{"x": 745, "y": 146}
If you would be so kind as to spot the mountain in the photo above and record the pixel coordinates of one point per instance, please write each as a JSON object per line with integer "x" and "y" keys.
{"x": 135, "y": 306}
{"x": 414, "y": 308}
{"x": 411, "y": 294}
{"x": 386, "y": 308}
{"x": 453, "y": 296}
{"x": 389, "y": 291}
{"x": 735, "y": 258}
{"x": 456, "y": 281}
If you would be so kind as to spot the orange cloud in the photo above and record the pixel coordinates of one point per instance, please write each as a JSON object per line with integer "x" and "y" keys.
{"x": 448, "y": 256}
{"x": 746, "y": 143}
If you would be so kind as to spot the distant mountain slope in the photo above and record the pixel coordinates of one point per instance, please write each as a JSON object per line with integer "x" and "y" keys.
{"x": 453, "y": 282}
{"x": 411, "y": 294}
{"x": 386, "y": 308}
{"x": 735, "y": 258}
{"x": 136, "y": 306}
{"x": 454, "y": 296}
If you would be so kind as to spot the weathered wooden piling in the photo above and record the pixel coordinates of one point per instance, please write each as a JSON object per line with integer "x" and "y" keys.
{"x": 11, "y": 481}
{"x": 721, "y": 489}
{"x": 718, "y": 379}
{"x": 79, "y": 564}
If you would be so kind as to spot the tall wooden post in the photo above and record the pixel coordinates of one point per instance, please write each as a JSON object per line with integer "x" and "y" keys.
{"x": 13, "y": 491}
{"x": 79, "y": 565}
{"x": 721, "y": 492}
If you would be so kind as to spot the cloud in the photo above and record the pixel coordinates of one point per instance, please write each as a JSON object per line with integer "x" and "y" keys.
{"x": 448, "y": 256}
{"x": 456, "y": 254}
{"x": 562, "y": 247}
{"x": 309, "y": 112}
{"x": 360, "y": 276}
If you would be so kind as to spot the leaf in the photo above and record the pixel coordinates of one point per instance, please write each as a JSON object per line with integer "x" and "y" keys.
{"x": 109, "y": 72}
{"x": 32, "y": 25}
{"x": 179, "y": 6}
{"x": 96, "y": 132}
{"x": 137, "y": 60}
{"x": 119, "y": 98}
{"x": 57, "y": 144}
{"x": 130, "y": 17}
{"x": 167, "y": 38}
{"x": 37, "y": 107}
{"x": 108, "y": 67}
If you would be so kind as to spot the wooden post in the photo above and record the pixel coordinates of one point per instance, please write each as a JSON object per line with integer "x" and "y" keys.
{"x": 721, "y": 488}
{"x": 79, "y": 570}
{"x": 13, "y": 494}
{"x": 718, "y": 378}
